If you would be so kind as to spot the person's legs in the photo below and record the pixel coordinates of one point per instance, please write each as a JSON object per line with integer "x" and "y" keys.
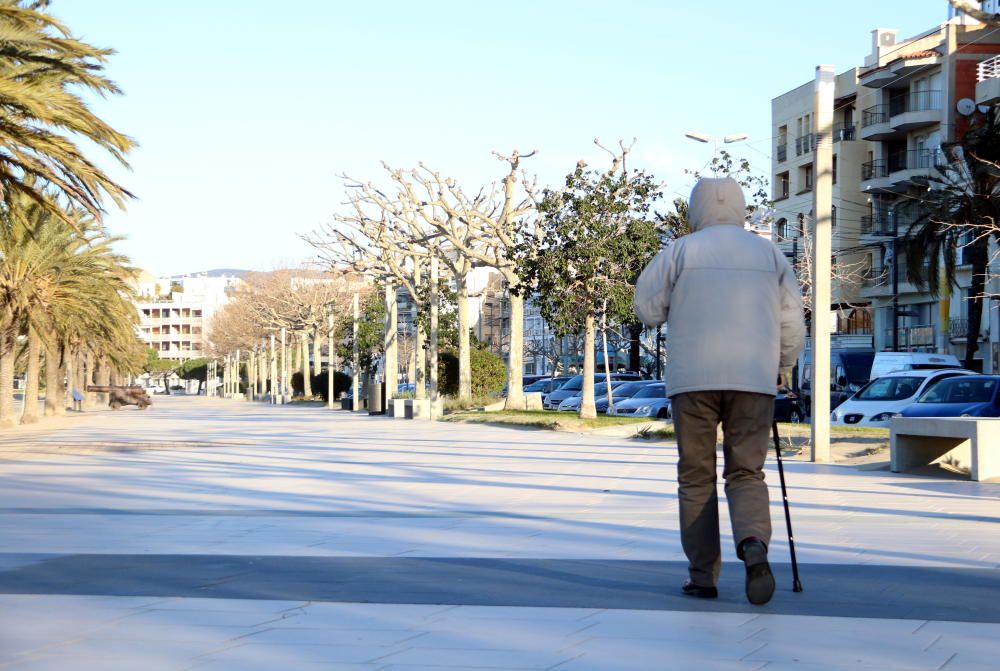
{"x": 746, "y": 422}
{"x": 746, "y": 426}
{"x": 696, "y": 421}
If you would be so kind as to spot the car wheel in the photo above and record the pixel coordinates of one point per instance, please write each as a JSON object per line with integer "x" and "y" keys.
{"x": 663, "y": 414}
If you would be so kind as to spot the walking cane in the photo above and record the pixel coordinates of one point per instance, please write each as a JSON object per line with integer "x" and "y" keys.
{"x": 796, "y": 585}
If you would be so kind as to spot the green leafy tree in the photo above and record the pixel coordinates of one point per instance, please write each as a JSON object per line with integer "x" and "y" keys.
{"x": 488, "y": 371}
{"x": 957, "y": 216}
{"x": 594, "y": 237}
{"x": 371, "y": 331}
{"x": 155, "y": 366}
{"x": 194, "y": 369}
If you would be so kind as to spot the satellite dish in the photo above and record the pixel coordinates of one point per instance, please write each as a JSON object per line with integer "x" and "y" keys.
{"x": 966, "y": 106}
{"x": 983, "y": 109}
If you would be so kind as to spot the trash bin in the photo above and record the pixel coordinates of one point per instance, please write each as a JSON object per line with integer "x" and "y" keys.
{"x": 376, "y": 405}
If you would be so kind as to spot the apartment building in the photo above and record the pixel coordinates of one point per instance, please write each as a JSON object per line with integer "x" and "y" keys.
{"x": 892, "y": 115}
{"x": 175, "y": 312}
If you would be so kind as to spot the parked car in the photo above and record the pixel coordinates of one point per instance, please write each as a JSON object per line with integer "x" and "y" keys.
{"x": 547, "y": 386}
{"x": 788, "y": 406}
{"x": 600, "y": 392}
{"x": 650, "y": 401}
{"x": 850, "y": 369}
{"x": 575, "y": 384}
{"x": 880, "y": 400}
{"x": 963, "y": 396}
{"x": 622, "y": 393}
{"x": 890, "y": 362}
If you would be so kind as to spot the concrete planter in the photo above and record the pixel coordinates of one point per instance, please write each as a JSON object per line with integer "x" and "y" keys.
{"x": 418, "y": 408}
{"x": 396, "y": 408}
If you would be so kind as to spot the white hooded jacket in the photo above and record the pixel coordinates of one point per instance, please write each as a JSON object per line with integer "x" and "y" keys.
{"x": 730, "y": 299}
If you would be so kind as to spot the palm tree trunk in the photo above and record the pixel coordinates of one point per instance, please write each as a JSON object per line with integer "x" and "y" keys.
{"x": 588, "y": 410}
{"x": 53, "y": 380}
{"x": 979, "y": 262}
{"x": 103, "y": 377}
{"x": 89, "y": 378}
{"x": 306, "y": 371}
{"x": 34, "y": 367}
{"x": 7, "y": 416}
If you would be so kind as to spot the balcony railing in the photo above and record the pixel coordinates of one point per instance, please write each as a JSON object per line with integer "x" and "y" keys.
{"x": 916, "y": 159}
{"x": 915, "y": 101}
{"x": 875, "y": 277}
{"x": 843, "y": 132}
{"x": 874, "y": 169}
{"x": 876, "y": 224}
{"x": 782, "y": 152}
{"x": 988, "y": 69}
{"x": 913, "y": 336}
{"x": 805, "y": 144}
{"x": 874, "y": 115}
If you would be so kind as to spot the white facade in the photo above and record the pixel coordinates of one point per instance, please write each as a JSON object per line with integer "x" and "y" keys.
{"x": 175, "y": 312}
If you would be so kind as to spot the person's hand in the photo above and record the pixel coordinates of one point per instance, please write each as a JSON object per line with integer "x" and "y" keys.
{"x": 785, "y": 377}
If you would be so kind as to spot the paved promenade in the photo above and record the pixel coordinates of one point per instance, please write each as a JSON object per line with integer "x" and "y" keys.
{"x": 209, "y": 534}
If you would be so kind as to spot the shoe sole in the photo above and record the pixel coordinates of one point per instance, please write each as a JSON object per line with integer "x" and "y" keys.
{"x": 702, "y": 593}
{"x": 760, "y": 580}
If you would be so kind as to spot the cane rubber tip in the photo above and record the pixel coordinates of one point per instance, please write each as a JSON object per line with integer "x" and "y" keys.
{"x": 797, "y": 587}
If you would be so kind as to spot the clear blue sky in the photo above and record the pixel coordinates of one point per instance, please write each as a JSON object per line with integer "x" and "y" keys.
{"x": 248, "y": 111}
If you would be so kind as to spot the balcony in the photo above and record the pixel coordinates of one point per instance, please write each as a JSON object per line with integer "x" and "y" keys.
{"x": 909, "y": 168}
{"x": 988, "y": 82}
{"x": 844, "y": 132}
{"x": 878, "y": 225}
{"x": 875, "y": 123}
{"x": 782, "y": 152}
{"x": 913, "y": 336}
{"x": 805, "y": 144}
{"x": 875, "y": 277}
{"x": 915, "y": 110}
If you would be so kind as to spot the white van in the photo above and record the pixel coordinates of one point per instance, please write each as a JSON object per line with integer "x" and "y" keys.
{"x": 888, "y": 362}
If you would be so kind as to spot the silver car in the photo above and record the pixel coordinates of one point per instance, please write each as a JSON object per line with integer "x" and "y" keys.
{"x": 650, "y": 401}
{"x": 572, "y": 404}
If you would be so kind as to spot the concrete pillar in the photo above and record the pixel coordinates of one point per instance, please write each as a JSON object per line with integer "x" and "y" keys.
{"x": 330, "y": 368}
{"x": 355, "y": 353}
{"x": 822, "y": 251}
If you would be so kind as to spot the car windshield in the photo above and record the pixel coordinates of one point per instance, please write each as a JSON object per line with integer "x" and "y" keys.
{"x": 889, "y": 389}
{"x": 960, "y": 390}
{"x": 628, "y": 389}
{"x": 652, "y": 391}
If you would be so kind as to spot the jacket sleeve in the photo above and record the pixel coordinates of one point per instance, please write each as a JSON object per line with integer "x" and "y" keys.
{"x": 793, "y": 324}
{"x": 652, "y": 291}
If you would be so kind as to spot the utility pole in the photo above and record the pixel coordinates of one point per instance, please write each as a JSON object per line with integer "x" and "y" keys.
{"x": 895, "y": 284}
{"x": 822, "y": 251}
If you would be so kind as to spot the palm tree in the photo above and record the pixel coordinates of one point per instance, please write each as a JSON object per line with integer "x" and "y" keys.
{"x": 63, "y": 285}
{"x": 43, "y": 72}
{"x": 959, "y": 215}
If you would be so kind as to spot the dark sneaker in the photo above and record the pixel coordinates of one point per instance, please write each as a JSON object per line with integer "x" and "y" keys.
{"x": 760, "y": 580}
{"x": 700, "y": 591}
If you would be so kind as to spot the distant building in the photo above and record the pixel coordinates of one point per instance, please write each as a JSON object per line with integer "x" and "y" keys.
{"x": 175, "y": 312}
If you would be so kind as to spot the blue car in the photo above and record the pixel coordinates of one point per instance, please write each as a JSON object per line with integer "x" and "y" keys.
{"x": 966, "y": 396}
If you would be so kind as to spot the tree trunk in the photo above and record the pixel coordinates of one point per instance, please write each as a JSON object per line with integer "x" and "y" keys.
{"x": 433, "y": 350}
{"x": 635, "y": 347}
{"x": 464, "y": 352}
{"x": 515, "y": 358}
{"x": 53, "y": 380}
{"x": 979, "y": 262}
{"x": 89, "y": 378}
{"x": 317, "y": 352}
{"x": 390, "y": 342}
{"x": 306, "y": 370}
{"x": 7, "y": 416}
{"x": 588, "y": 409}
{"x": 103, "y": 377}
{"x": 607, "y": 364}
{"x": 34, "y": 369}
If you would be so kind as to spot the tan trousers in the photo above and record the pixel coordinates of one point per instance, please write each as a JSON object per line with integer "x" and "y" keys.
{"x": 746, "y": 423}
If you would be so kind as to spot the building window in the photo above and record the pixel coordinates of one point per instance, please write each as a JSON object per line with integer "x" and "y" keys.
{"x": 834, "y": 168}
{"x": 806, "y": 178}
{"x": 781, "y": 185}
{"x": 781, "y": 229}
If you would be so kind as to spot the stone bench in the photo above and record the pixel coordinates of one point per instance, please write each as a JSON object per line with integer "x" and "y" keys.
{"x": 965, "y": 442}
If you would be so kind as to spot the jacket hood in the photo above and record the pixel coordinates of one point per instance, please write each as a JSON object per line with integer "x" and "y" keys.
{"x": 716, "y": 201}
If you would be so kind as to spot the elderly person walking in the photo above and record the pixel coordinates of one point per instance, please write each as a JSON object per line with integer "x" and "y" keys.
{"x": 734, "y": 320}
